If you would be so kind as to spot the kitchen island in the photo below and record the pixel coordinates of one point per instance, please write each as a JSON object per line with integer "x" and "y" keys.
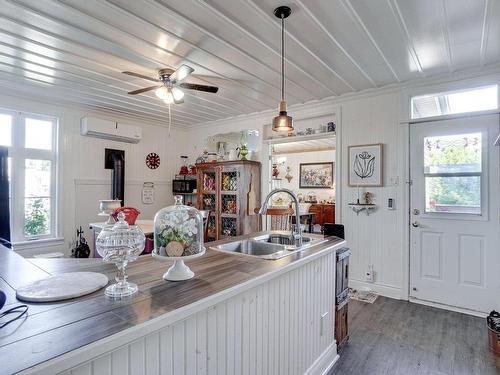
{"x": 238, "y": 315}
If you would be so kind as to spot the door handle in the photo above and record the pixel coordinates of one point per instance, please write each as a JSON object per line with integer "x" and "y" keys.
{"x": 415, "y": 224}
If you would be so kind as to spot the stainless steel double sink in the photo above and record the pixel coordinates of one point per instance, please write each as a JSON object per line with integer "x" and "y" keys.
{"x": 268, "y": 246}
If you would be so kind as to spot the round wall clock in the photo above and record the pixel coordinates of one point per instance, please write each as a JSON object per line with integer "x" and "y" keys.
{"x": 153, "y": 160}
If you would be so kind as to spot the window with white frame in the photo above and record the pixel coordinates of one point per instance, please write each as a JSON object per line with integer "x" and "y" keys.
{"x": 455, "y": 102}
{"x": 32, "y": 144}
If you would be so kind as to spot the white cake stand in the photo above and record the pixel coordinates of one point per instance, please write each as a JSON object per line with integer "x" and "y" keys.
{"x": 178, "y": 271}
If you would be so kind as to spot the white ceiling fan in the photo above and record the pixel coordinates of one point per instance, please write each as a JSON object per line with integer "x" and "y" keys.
{"x": 170, "y": 86}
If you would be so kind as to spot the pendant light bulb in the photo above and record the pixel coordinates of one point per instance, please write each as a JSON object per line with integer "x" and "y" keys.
{"x": 282, "y": 122}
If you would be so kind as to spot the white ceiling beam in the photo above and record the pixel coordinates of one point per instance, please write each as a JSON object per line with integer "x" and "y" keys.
{"x": 335, "y": 41}
{"x": 194, "y": 46}
{"x": 251, "y": 74}
{"x": 396, "y": 12}
{"x": 106, "y": 41}
{"x": 262, "y": 43}
{"x": 19, "y": 40}
{"x": 446, "y": 35}
{"x": 302, "y": 45}
{"x": 64, "y": 94}
{"x": 356, "y": 17}
{"x": 485, "y": 32}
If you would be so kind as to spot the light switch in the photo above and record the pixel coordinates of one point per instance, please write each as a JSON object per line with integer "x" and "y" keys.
{"x": 322, "y": 323}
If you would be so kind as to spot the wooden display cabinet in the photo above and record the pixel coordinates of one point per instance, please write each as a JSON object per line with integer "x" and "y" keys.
{"x": 230, "y": 190}
{"x": 325, "y": 213}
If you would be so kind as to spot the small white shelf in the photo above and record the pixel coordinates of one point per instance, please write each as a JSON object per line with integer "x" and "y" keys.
{"x": 302, "y": 143}
{"x": 359, "y": 207}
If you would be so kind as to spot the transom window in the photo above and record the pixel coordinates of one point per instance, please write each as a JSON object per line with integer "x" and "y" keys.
{"x": 453, "y": 172}
{"x": 455, "y": 102}
{"x": 32, "y": 148}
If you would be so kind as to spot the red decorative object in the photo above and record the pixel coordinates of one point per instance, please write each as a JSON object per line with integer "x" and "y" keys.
{"x": 153, "y": 160}
{"x": 131, "y": 214}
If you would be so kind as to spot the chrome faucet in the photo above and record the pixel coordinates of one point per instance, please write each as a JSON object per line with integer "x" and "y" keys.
{"x": 296, "y": 233}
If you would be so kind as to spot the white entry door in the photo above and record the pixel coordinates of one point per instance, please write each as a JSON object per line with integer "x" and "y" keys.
{"x": 454, "y": 218}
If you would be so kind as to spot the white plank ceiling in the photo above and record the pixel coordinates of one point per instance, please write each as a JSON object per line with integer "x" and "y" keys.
{"x": 75, "y": 51}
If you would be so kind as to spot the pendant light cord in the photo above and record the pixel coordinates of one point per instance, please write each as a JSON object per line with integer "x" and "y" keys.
{"x": 282, "y": 57}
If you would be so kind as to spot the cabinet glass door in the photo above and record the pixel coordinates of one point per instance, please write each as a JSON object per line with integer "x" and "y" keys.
{"x": 229, "y": 204}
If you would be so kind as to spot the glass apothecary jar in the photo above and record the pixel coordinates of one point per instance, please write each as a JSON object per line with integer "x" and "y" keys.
{"x": 178, "y": 236}
{"x": 120, "y": 243}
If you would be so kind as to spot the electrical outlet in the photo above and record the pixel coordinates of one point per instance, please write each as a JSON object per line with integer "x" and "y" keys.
{"x": 369, "y": 273}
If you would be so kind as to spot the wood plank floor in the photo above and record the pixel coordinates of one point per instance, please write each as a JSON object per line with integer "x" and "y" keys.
{"x": 398, "y": 337}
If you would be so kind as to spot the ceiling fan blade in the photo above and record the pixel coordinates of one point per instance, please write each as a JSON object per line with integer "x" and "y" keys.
{"x": 182, "y": 72}
{"x": 140, "y": 91}
{"x": 194, "y": 86}
{"x": 179, "y": 101}
{"x": 141, "y": 76}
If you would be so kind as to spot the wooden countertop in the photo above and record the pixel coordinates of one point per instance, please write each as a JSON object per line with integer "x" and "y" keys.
{"x": 52, "y": 329}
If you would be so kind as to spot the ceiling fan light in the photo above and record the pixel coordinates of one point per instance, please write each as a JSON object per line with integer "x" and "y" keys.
{"x": 161, "y": 92}
{"x": 169, "y": 99}
{"x": 178, "y": 94}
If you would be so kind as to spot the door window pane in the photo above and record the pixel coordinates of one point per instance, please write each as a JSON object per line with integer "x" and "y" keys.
{"x": 452, "y": 169}
{"x": 453, "y": 194}
{"x": 36, "y": 216}
{"x": 38, "y": 134}
{"x": 5, "y": 130}
{"x": 37, "y": 178}
{"x": 453, "y": 153}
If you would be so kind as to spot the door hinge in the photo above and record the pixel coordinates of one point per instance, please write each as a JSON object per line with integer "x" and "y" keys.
{"x": 409, "y": 182}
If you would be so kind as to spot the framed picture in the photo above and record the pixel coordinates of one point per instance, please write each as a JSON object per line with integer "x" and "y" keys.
{"x": 365, "y": 165}
{"x": 316, "y": 175}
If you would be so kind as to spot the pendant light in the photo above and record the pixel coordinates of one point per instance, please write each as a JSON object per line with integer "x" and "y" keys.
{"x": 282, "y": 122}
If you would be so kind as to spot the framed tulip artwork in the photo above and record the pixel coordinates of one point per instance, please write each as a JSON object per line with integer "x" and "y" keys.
{"x": 366, "y": 165}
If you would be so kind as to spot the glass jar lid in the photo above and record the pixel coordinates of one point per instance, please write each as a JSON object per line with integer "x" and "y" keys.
{"x": 120, "y": 241}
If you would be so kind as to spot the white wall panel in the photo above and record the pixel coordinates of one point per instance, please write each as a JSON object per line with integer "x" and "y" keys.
{"x": 273, "y": 328}
{"x": 82, "y": 177}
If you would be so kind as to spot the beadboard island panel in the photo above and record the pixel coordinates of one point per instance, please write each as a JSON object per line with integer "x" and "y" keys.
{"x": 237, "y": 312}
{"x": 274, "y": 328}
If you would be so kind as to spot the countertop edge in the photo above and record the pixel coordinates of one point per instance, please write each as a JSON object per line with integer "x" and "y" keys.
{"x": 87, "y": 352}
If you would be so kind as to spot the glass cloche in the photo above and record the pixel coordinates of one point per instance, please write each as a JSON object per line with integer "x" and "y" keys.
{"x": 178, "y": 235}
{"x": 178, "y": 230}
{"x": 120, "y": 243}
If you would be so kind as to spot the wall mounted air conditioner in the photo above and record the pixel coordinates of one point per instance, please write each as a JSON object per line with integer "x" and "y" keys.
{"x": 114, "y": 131}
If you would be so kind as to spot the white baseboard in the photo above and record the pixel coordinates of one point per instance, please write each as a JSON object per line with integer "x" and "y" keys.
{"x": 325, "y": 361}
{"x": 448, "y": 307}
{"x": 383, "y": 290}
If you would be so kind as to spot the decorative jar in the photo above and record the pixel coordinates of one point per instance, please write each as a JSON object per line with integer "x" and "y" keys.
{"x": 178, "y": 236}
{"x": 120, "y": 244}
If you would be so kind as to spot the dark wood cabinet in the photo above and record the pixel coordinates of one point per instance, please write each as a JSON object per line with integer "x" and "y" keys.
{"x": 230, "y": 190}
{"x": 324, "y": 213}
{"x": 341, "y": 325}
